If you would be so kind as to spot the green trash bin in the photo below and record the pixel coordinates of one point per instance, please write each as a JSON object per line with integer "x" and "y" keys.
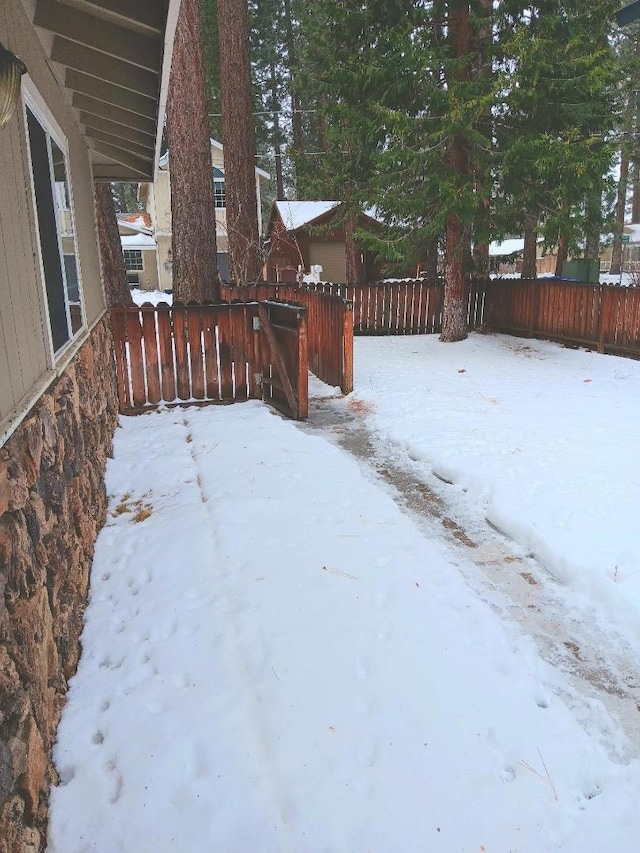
{"x": 582, "y": 269}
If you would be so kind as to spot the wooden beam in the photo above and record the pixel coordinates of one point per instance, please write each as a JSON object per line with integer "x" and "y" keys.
{"x": 104, "y": 67}
{"x": 110, "y": 94}
{"x": 95, "y": 33}
{"x": 143, "y": 13}
{"x": 278, "y": 360}
{"x": 143, "y": 151}
{"x": 103, "y": 172}
{"x": 112, "y": 114}
{"x": 143, "y": 167}
{"x": 118, "y": 130}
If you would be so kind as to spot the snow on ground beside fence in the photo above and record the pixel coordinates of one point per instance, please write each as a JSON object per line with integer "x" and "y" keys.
{"x": 152, "y": 296}
{"x": 276, "y": 659}
{"x": 540, "y": 439}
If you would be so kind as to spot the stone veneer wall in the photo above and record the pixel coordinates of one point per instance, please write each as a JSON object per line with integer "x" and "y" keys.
{"x": 52, "y": 506}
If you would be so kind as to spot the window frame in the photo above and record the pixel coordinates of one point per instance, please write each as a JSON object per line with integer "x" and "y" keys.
{"x": 33, "y": 102}
{"x": 219, "y": 181}
{"x": 138, "y": 255}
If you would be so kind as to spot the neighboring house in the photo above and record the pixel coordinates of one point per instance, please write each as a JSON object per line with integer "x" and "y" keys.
{"x": 506, "y": 257}
{"x": 88, "y": 108}
{"x": 139, "y": 250}
{"x": 302, "y": 234}
{"x": 630, "y": 251}
{"x": 157, "y": 200}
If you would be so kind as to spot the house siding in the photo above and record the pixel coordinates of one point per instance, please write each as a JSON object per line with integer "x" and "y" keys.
{"x": 57, "y": 418}
{"x": 332, "y": 259}
{"x": 25, "y": 353}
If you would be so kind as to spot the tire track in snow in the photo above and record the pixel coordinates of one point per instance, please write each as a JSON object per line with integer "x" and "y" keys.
{"x": 598, "y": 664}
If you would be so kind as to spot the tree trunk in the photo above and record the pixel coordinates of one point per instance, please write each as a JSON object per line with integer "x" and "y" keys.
{"x": 296, "y": 114}
{"x": 616, "y": 252}
{"x": 238, "y": 132}
{"x": 563, "y": 252}
{"x": 114, "y": 275}
{"x": 354, "y": 266}
{"x": 454, "y": 312}
{"x": 481, "y": 45}
{"x": 430, "y": 266}
{"x": 635, "y": 198}
{"x": 593, "y": 225}
{"x": 193, "y": 224}
{"x": 276, "y": 133}
{"x": 529, "y": 266}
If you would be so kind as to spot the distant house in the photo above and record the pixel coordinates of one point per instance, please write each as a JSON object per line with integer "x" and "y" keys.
{"x": 156, "y": 197}
{"x": 139, "y": 250}
{"x": 630, "y": 250}
{"x": 505, "y": 257}
{"x": 303, "y": 234}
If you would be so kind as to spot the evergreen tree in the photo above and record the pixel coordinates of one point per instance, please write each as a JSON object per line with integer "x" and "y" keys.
{"x": 114, "y": 275}
{"x": 193, "y": 226}
{"x": 559, "y": 111}
{"x": 238, "y": 132}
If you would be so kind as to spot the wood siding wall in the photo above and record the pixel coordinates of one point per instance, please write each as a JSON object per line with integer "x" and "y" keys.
{"x": 24, "y": 347}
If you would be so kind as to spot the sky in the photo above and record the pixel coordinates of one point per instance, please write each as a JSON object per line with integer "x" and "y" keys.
{"x": 407, "y": 625}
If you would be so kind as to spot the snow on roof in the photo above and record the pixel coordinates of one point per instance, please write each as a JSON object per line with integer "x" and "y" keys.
{"x": 139, "y": 221}
{"x": 633, "y": 231}
{"x": 295, "y": 214}
{"x": 137, "y": 241}
{"x": 506, "y": 247}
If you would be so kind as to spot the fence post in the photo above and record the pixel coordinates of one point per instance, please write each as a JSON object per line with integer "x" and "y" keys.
{"x": 347, "y": 337}
{"x": 303, "y": 366}
{"x": 604, "y": 316}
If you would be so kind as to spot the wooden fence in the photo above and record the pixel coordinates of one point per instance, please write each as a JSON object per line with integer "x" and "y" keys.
{"x": 211, "y": 353}
{"x": 602, "y": 316}
{"x": 329, "y": 327}
{"x": 402, "y": 307}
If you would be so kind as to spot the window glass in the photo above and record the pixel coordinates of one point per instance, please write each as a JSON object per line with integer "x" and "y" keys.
{"x": 57, "y": 236}
{"x": 219, "y": 194}
{"x": 219, "y": 191}
{"x": 133, "y": 259}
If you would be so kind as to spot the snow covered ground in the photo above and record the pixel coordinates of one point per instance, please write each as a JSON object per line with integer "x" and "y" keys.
{"x": 276, "y": 657}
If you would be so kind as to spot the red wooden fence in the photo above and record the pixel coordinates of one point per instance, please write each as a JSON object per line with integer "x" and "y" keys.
{"x": 401, "y": 307}
{"x": 212, "y": 353}
{"x": 593, "y": 315}
{"x": 329, "y": 327}
{"x": 605, "y": 316}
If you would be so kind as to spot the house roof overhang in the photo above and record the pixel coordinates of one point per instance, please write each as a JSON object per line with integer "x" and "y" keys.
{"x": 113, "y": 58}
{"x": 629, "y": 14}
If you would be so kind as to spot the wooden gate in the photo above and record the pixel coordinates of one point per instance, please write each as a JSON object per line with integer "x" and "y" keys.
{"x": 211, "y": 354}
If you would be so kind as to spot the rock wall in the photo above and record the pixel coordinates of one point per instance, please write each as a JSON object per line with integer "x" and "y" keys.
{"x": 52, "y": 505}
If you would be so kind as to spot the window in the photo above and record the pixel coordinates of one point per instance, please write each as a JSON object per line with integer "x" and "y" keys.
{"x": 219, "y": 191}
{"x": 56, "y": 231}
{"x": 132, "y": 259}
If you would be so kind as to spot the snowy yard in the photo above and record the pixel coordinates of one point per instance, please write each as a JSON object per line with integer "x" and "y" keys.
{"x": 278, "y": 657}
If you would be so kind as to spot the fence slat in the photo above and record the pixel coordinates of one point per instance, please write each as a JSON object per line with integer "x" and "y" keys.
{"x": 196, "y": 357}
{"x": 119, "y": 343}
{"x": 136, "y": 363}
{"x": 165, "y": 339}
{"x": 154, "y": 393}
{"x": 183, "y": 386}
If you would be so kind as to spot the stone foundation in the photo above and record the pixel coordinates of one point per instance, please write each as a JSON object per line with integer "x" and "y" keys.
{"x": 52, "y": 505}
